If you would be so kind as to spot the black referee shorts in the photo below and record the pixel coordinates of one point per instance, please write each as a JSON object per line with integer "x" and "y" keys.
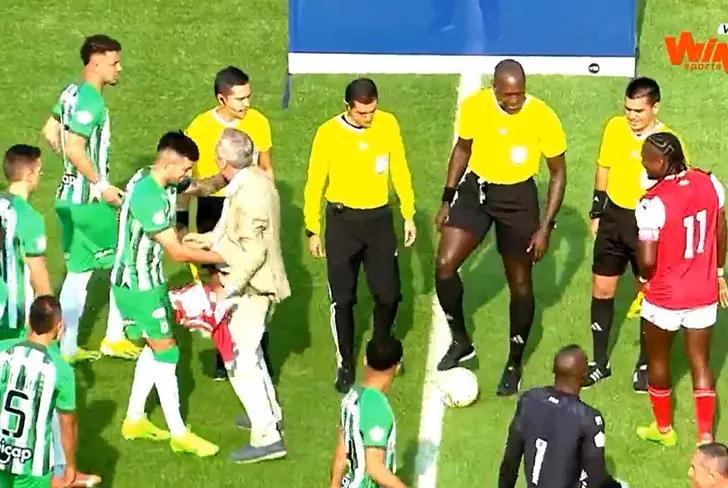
{"x": 354, "y": 237}
{"x": 209, "y": 210}
{"x": 513, "y": 208}
{"x": 616, "y": 241}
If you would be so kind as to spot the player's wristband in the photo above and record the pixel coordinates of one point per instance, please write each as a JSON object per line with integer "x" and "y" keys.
{"x": 183, "y": 217}
{"x": 101, "y": 186}
{"x": 721, "y": 272}
{"x": 448, "y": 194}
{"x": 599, "y": 201}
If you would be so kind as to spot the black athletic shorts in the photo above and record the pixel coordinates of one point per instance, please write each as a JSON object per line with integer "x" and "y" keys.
{"x": 513, "y": 208}
{"x": 209, "y": 210}
{"x": 616, "y": 241}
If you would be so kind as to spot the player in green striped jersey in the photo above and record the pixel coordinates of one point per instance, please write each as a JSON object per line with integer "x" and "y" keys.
{"x": 146, "y": 231}
{"x": 35, "y": 380}
{"x": 79, "y": 128}
{"x": 365, "y": 454}
{"x": 22, "y": 250}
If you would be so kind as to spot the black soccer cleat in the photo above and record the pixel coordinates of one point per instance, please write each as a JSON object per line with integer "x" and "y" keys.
{"x": 344, "y": 379}
{"x": 457, "y": 353}
{"x": 510, "y": 381}
{"x": 220, "y": 374}
{"x": 639, "y": 379}
{"x": 595, "y": 373}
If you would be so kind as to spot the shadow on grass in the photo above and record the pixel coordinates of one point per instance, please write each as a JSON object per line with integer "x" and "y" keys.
{"x": 95, "y": 454}
{"x": 289, "y": 329}
{"x": 484, "y": 279}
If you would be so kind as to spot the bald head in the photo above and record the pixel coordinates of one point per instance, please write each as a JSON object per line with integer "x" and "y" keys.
{"x": 509, "y": 71}
{"x": 570, "y": 364}
{"x": 509, "y": 85}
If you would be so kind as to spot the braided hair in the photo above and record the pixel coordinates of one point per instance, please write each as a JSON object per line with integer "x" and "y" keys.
{"x": 669, "y": 146}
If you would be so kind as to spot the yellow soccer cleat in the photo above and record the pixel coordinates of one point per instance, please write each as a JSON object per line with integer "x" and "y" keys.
{"x": 193, "y": 444}
{"x": 123, "y": 349}
{"x": 82, "y": 355}
{"x": 652, "y": 433}
{"x": 143, "y": 429}
{"x": 635, "y": 310}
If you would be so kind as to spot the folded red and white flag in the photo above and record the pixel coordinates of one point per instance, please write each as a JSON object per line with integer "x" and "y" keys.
{"x": 195, "y": 309}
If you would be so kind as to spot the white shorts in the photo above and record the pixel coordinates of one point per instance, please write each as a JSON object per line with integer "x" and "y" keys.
{"x": 672, "y": 320}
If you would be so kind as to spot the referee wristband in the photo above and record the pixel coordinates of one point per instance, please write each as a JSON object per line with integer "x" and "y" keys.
{"x": 599, "y": 201}
{"x": 448, "y": 194}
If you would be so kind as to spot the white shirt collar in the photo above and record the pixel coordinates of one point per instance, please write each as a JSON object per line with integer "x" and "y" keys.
{"x": 223, "y": 122}
{"x": 236, "y": 182}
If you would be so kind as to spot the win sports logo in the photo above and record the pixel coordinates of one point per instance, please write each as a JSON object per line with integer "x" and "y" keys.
{"x": 8, "y": 452}
{"x": 711, "y": 55}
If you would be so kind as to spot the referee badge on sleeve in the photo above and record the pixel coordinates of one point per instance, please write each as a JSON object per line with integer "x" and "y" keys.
{"x": 381, "y": 163}
{"x": 519, "y": 154}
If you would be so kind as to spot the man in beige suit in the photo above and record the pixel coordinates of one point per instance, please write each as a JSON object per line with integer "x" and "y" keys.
{"x": 254, "y": 280}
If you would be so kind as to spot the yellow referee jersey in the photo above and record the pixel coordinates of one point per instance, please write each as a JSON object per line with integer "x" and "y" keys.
{"x": 507, "y": 148}
{"x": 207, "y": 128}
{"x": 356, "y": 164}
{"x": 621, "y": 152}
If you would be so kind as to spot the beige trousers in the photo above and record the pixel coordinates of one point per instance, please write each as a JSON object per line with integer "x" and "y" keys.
{"x": 249, "y": 375}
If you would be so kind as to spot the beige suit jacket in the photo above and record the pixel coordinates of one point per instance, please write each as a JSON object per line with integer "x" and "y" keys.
{"x": 248, "y": 237}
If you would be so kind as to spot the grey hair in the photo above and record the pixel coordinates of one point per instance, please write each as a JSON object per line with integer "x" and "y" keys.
{"x": 235, "y": 148}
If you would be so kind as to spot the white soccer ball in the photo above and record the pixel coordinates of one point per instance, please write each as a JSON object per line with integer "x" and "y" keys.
{"x": 458, "y": 387}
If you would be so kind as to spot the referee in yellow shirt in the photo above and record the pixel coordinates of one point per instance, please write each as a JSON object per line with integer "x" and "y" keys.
{"x": 502, "y": 134}
{"x": 619, "y": 184}
{"x": 352, "y": 157}
{"x": 233, "y": 110}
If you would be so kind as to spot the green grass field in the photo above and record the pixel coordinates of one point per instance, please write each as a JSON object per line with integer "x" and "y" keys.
{"x": 170, "y": 55}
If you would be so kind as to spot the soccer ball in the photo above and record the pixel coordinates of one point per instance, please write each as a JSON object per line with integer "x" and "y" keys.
{"x": 458, "y": 387}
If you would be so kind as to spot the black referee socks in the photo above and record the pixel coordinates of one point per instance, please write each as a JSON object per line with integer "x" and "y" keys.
{"x": 602, "y": 316}
{"x": 450, "y": 294}
{"x": 521, "y": 311}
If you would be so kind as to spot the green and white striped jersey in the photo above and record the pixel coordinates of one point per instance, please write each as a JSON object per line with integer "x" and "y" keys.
{"x": 367, "y": 420}
{"x": 81, "y": 109}
{"x": 23, "y": 236}
{"x": 147, "y": 209}
{"x": 34, "y": 380}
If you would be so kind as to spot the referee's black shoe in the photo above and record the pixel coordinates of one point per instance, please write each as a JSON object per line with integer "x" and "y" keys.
{"x": 595, "y": 373}
{"x": 457, "y": 353}
{"x": 344, "y": 378}
{"x": 639, "y": 379}
{"x": 510, "y": 381}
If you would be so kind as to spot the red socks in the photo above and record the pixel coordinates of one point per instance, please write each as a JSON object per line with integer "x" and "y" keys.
{"x": 704, "y": 410}
{"x": 662, "y": 407}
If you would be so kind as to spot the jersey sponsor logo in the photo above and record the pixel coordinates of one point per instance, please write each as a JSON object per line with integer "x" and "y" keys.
{"x": 40, "y": 243}
{"x": 84, "y": 117}
{"x": 377, "y": 434}
{"x": 68, "y": 179}
{"x": 519, "y": 154}
{"x": 159, "y": 313}
{"x": 710, "y": 55}
{"x": 8, "y": 452}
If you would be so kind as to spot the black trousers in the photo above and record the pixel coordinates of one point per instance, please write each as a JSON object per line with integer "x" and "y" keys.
{"x": 355, "y": 237}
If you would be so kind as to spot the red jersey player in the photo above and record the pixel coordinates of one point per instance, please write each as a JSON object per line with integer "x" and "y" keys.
{"x": 681, "y": 253}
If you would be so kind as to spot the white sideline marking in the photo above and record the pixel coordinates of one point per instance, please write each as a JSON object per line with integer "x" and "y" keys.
{"x": 433, "y": 410}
